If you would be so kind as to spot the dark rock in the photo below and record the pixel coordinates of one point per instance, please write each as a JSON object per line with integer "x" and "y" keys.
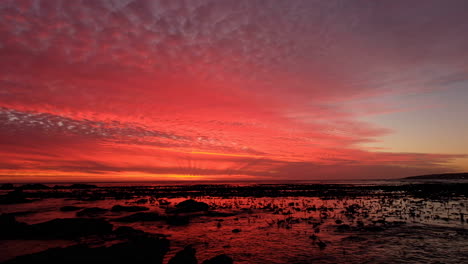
{"x": 82, "y": 186}
{"x": 163, "y": 202}
{"x": 237, "y": 230}
{"x": 127, "y": 231}
{"x": 321, "y": 244}
{"x": 34, "y": 186}
{"x": 136, "y": 251}
{"x": 10, "y": 228}
{"x": 14, "y": 197}
{"x": 185, "y": 256}
{"x": 343, "y": 227}
{"x": 70, "y": 208}
{"x": 7, "y": 186}
{"x": 22, "y": 213}
{"x": 220, "y": 259}
{"x": 122, "y": 208}
{"x": 70, "y": 228}
{"x": 373, "y": 228}
{"x": 91, "y": 212}
{"x": 178, "y": 220}
{"x": 219, "y": 214}
{"x": 141, "y": 201}
{"x": 354, "y": 239}
{"x": 140, "y": 217}
{"x": 189, "y": 206}
{"x": 76, "y": 186}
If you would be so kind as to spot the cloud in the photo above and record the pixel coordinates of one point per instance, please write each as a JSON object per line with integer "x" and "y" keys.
{"x": 283, "y": 81}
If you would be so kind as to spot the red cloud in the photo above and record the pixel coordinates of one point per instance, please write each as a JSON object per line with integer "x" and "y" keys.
{"x": 103, "y": 88}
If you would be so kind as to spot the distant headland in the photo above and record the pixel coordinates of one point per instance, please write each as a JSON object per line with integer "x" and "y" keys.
{"x": 443, "y": 176}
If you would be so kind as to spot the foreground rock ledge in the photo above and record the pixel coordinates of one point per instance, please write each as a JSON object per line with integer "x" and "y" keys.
{"x": 137, "y": 251}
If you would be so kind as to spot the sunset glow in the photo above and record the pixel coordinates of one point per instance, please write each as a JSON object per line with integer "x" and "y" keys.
{"x": 232, "y": 90}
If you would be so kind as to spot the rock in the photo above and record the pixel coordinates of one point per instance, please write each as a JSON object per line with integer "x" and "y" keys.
{"x": 220, "y": 259}
{"x": 23, "y": 213}
{"x": 76, "y": 186}
{"x": 34, "y": 186}
{"x": 185, "y": 256}
{"x": 177, "y": 220}
{"x": 163, "y": 202}
{"x": 373, "y": 228}
{"x": 237, "y": 230}
{"x": 70, "y": 228}
{"x": 343, "y": 227}
{"x": 137, "y": 217}
{"x": 7, "y": 186}
{"x": 127, "y": 231}
{"x": 122, "y": 208}
{"x": 354, "y": 239}
{"x": 70, "y": 208}
{"x": 141, "y": 201}
{"x": 321, "y": 244}
{"x": 189, "y": 206}
{"x": 219, "y": 214}
{"x": 82, "y": 186}
{"x": 136, "y": 251}
{"x": 14, "y": 197}
{"x": 91, "y": 212}
{"x": 10, "y": 228}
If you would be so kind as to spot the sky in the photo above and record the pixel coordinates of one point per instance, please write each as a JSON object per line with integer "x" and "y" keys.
{"x": 123, "y": 90}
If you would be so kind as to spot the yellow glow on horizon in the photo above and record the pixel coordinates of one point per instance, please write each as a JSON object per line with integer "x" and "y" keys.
{"x": 60, "y": 176}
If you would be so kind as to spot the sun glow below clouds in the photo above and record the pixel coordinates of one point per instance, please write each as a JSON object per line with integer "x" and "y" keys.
{"x": 203, "y": 90}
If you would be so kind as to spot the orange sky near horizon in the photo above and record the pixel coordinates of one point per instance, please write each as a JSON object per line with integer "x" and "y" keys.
{"x": 231, "y": 90}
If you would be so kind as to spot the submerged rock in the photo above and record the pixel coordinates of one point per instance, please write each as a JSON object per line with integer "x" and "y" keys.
{"x": 142, "y": 216}
{"x": 141, "y": 201}
{"x": 82, "y": 186}
{"x": 34, "y": 186}
{"x": 14, "y": 197}
{"x": 136, "y": 251}
{"x": 177, "y": 220}
{"x": 343, "y": 227}
{"x": 127, "y": 231}
{"x": 321, "y": 244}
{"x": 185, "y": 256}
{"x": 10, "y": 228}
{"x": 354, "y": 239}
{"x": 70, "y": 228}
{"x": 22, "y": 213}
{"x": 67, "y": 228}
{"x": 76, "y": 186}
{"x": 91, "y": 212}
{"x": 70, "y": 208}
{"x": 189, "y": 206}
{"x": 220, "y": 259}
{"x": 373, "y": 228}
{"x": 219, "y": 214}
{"x": 7, "y": 186}
{"x": 134, "y": 208}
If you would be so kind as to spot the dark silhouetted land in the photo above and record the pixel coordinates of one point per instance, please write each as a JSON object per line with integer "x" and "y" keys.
{"x": 444, "y": 176}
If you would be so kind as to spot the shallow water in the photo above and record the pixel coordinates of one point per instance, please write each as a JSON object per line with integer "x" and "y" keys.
{"x": 390, "y": 228}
